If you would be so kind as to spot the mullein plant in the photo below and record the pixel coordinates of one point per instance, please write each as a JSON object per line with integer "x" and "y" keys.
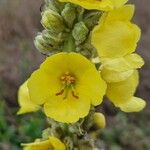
{"x": 90, "y": 48}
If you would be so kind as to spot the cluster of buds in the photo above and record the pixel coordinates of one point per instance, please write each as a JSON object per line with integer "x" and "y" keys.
{"x": 66, "y": 28}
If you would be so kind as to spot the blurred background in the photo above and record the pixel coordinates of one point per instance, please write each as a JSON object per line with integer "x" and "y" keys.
{"x": 19, "y": 23}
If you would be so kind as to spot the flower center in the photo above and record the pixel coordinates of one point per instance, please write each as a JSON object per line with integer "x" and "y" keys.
{"x": 68, "y": 82}
{"x": 67, "y": 79}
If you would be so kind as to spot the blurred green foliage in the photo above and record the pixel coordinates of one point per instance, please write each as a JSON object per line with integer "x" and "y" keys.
{"x": 128, "y": 132}
{"x": 18, "y": 129}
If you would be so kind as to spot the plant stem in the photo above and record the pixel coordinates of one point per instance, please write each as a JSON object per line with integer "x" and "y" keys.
{"x": 69, "y": 45}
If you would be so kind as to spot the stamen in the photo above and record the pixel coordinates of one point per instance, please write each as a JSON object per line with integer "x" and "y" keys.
{"x": 74, "y": 95}
{"x": 66, "y": 92}
{"x": 73, "y": 92}
{"x": 68, "y": 83}
{"x": 60, "y": 93}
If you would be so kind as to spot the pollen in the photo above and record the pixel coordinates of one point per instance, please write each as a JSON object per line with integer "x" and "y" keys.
{"x": 68, "y": 82}
{"x": 67, "y": 79}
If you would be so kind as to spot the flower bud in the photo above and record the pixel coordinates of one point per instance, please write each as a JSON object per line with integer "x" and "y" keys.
{"x": 69, "y": 14}
{"x": 52, "y": 21}
{"x": 91, "y": 19}
{"x": 54, "y": 5}
{"x": 46, "y": 133}
{"x": 85, "y": 145}
{"x": 99, "y": 120}
{"x": 80, "y": 32}
{"x": 42, "y": 46}
{"x": 53, "y": 38}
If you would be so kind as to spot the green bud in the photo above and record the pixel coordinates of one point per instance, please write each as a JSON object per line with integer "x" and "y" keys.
{"x": 46, "y": 133}
{"x": 53, "y": 38}
{"x": 54, "y": 5}
{"x": 91, "y": 19}
{"x": 69, "y": 14}
{"x": 85, "y": 145}
{"x": 52, "y": 21}
{"x": 42, "y": 46}
{"x": 87, "y": 49}
{"x": 80, "y": 32}
{"x": 50, "y": 4}
{"x": 80, "y": 13}
{"x": 59, "y": 5}
{"x": 69, "y": 143}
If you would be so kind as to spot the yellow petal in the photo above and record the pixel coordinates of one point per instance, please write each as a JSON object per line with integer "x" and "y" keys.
{"x": 116, "y": 64}
{"x": 135, "y": 104}
{"x": 41, "y": 145}
{"x": 131, "y": 61}
{"x": 41, "y": 85}
{"x": 134, "y": 60}
{"x": 115, "y": 76}
{"x": 118, "y": 3}
{"x": 67, "y": 110}
{"x": 121, "y": 92}
{"x": 52, "y": 143}
{"x": 99, "y": 120}
{"x": 56, "y": 143}
{"x": 125, "y": 13}
{"x": 118, "y": 69}
{"x": 93, "y": 86}
{"x": 62, "y": 62}
{"x": 24, "y": 100}
{"x": 115, "y": 39}
{"x": 104, "y": 5}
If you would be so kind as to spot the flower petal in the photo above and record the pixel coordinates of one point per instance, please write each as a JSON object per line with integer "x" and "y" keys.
{"x": 49, "y": 144}
{"x": 41, "y": 85}
{"x": 115, "y": 39}
{"x": 62, "y": 62}
{"x": 115, "y": 64}
{"x": 134, "y": 60}
{"x": 118, "y": 69}
{"x": 118, "y": 3}
{"x": 56, "y": 143}
{"x": 114, "y": 76}
{"x": 41, "y": 145}
{"x": 93, "y": 86}
{"x": 131, "y": 61}
{"x": 135, "y": 104}
{"x": 121, "y": 92}
{"x": 104, "y": 5}
{"x": 125, "y": 13}
{"x": 67, "y": 110}
{"x": 24, "y": 100}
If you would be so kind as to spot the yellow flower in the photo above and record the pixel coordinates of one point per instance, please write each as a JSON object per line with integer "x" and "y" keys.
{"x": 104, "y": 5}
{"x": 115, "y": 39}
{"x": 24, "y": 100}
{"x": 121, "y": 94}
{"x": 118, "y": 69}
{"x": 50, "y": 144}
{"x": 67, "y": 84}
{"x": 116, "y": 36}
{"x": 99, "y": 120}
